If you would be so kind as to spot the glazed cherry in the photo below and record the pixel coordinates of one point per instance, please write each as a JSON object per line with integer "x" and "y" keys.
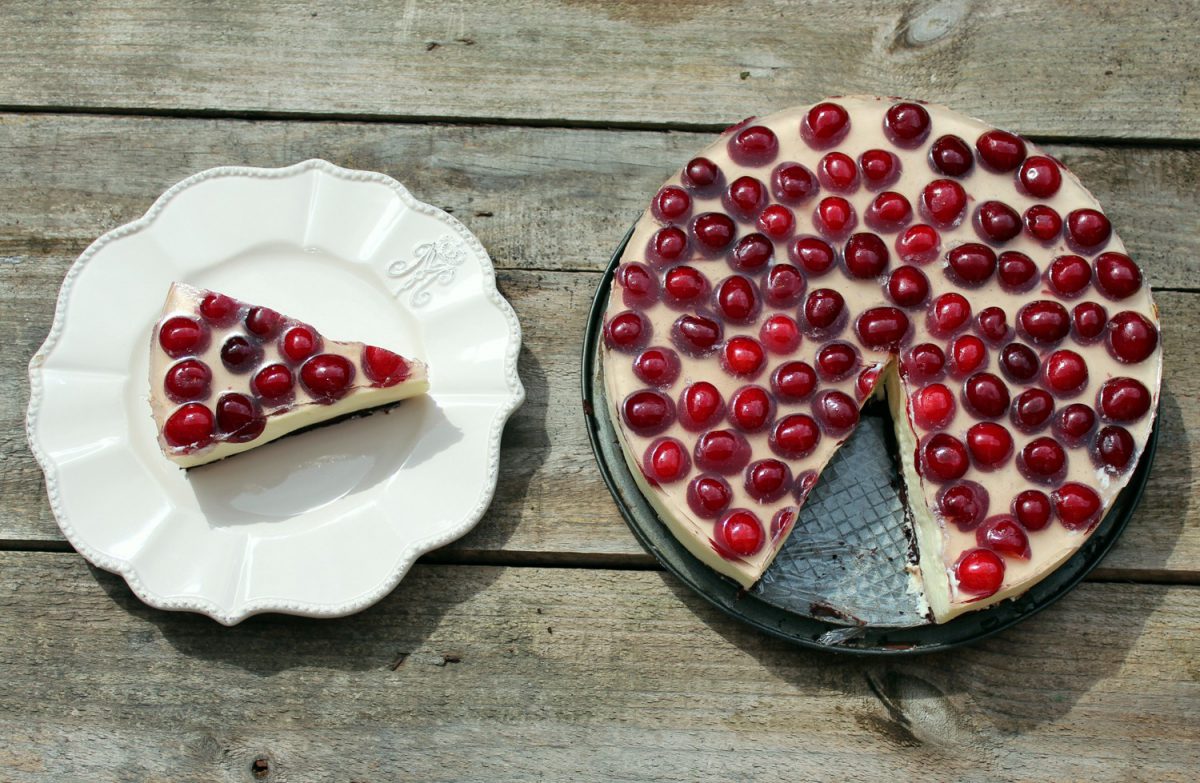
{"x": 739, "y": 533}
{"x": 274, "y": 383}
{"x": 1042, "y": 223}
{"x": 754, "y": 146}
{"x": 1088, "y": 320}
{"x": 795, "y": 436}
{"x": 944, "y": 457}
{"x": 792, "y": 183}
{"x": 823, "y": 308}
{"x": 1069, "y": 275}
{"x": 1040, "y": 176}
{"x": 1044, "y": 321}
{"x": 785, "y": 286}
{"x": 639, "y": 286}
{"x": 997, "y": 222}
{"x": 777, "y": 221}
{"x": 188, "y": 380}
{"x": 836, "y": 412}
{"x": 190, "y": 427}
{"x": 768, "y": 480}
{"x": 300, "y": 342}
{"x": 1074, "y": 423}
{"x": 627, "y": 332}
{"x": 667, "y": 245}
{"x": 699, "y": 173}
{"x": 967, "y": 354}
{"x": 924, "y": 362}
{"x": 382, "y": 367}
{"x": 993, "y": 324}
{"x": 1066, "y": 372}
{"x": 737, "y": 299}
{"x": 814, "y": 255}
{"x": 979, "y": 572}
{"x": 218, "y": 309}
{"x": 949, "y": 313}
{"x": 838, "y": 173}
{"x": 239, "y": 355}
{"x": 908, "y": 286}
{"x": 866, "y": 256}
{"x": 836, "y": 361}
{"x": 951, "y": 156}
{"x": 1017, "y": 272}
{"x": 700, "y": 406}
{"x": 708, "y": 496}
{"x": 1032, "y": 509}
{"x": 657, "y": 366}
{"x": 963, "y": 504}
{"x": 834, "y": 216}
{"x": 1123, "y": 400}
{"x": 804, "y": 484}
{"x": 933, "y": 407}
{"x": 696, "y": 335}
{"x": 1019, "y": 362}
{"x": 943, "y": 201}
{"x": 666, "y": 460}
{"x": 990, "y": 445}
{"x": 880, "y": 168}
{"x": 986, "y": 395}
{"x": 1131, "y": 337}
{"x": 1078, "y": 506}
{"x": 825, "y": 125}
{"x": 919, "y": 244}
{"x": 239, "y": 419}
{"x": 648, "y": 412}
{"x": 743, "y": 356}
{"x": 722, "y": 451}
{"x": 889, "y": 211}
{"x": 906, "y": 124}
{"x": 794, "y": 381}
{"x": 866, "y": 382}
{"x": 1088, "y": 228}
{"x": 1043, "y": 460}
{"x": 1114, "y": 448}
{"x": 670, "y": 204}
{"x": 1000, "y": 150}
{"x": 1005, "y": 535}
{"x": 779, "y": 334}
{"x": 752, "y": 253}
{"x": 745, "y": 197}
{"x": 684, "y": 286}
{"x": 882, "y": 327}
{"x": 1117, "y": 276}
{"x": 1032, "y": 409}
{"x": 713, "y": 231}
{"x": 180, "y": 336}
{"x": 263, "y": 322}
{"x": 972, "y": 263}
{"x": 750, "y": 408}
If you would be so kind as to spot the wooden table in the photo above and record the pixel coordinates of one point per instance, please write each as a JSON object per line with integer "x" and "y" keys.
{"x": 546, "y": 644}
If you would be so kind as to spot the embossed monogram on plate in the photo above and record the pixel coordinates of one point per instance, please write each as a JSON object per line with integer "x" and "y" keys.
{"x": 433, "y": 263}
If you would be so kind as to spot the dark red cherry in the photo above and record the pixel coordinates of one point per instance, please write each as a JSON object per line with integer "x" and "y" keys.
{"x": 1005, "y": 535}
{"x": 300, "y": 342}
{"x": 752, "y": 253}
{"x": 768, "y": 480}
{"x": 745, "y": 197}
{"x": 944, "y": 457}
{"x": 993, "y": 324}
{"x": 990, "y": 445}
{"x": 327, "y": 376}
{"x": 190, "y": 427}
{"x": 944, "y": 201}
{"x": 951, "y": 156}
{"x": 967, "y": 354}
{"x": 684, "y": 286}
{"x": 737, "y": 299}
{"x": 834, "y": 216}
{"x": 889, "y": 211}
{"x": 708, "y": 496}
{"x": 1032, "y": 509}
{"x": 924, "y": 362}
{"x": 1088, "y": 320}
{"x": 825, "y": 125}
{"x": 997, "y": 222}
{"x": 743, "y": 356}
{"x": 181, "y": 336}
{"x": 238, "y": 418}
{"x": 1088, "y": 228}
{"x": 1074, "y": 423}
{"x": 823, "y": 308}
{"x": 714, "y": 231}
{"x": 750, "y": 408}
{"x": 882, "y": 327}
{"x": 700, "y": 173}
{"x": 814, "y": 255}
{"x": 919, "y": 244}
{"x": 1069, "y": 275}
{"x": 1040, "y": 176}
{"x": 1123, "y": 400}
{"x": 218, "y": 309}
{"x": 777, "y": 222}
{"x": 836, "y": 412}
{"x": 792, "y": 183}
{"x": 671, "y": 204}
{"x": 666, "y": 460}
{"x": 1114, "y": 448}
{"x": 949, "y": 313}
{"x": 836, "y": 172}
{"x": 1042, "y": 223}
{"x": 836, "y": 361}
{"x": 263, "y": 322}
{"x": 1043, "y": 460}
{"x": 1019, "y": 362}
{"x": 979, "y": 572}
{"x": 1044, "y": 321}
{"x": 866, "y": 256}
{"x": 933, "y": 407}
{"x": 239, "y": 355}
{"x": 722, "y": 451}
{"x": 1066, "y": 372}
{"x": 657, "y": 366}
{"x": 908, "y": 286}
{"x": 1077, "y": 505}
{"x": 795, "y": 436}
{"x": 639, "y": 286}
{"x": 274, "y": 383}
{"x": 1000, "y": 150}
{"x": 867, "y": 379}
{"x": 648, "y": 412}
{"x": 667, "y": 245}
{"x": 756, "y": 145}
{"x": 700, "y": 406}
{"x": 785, "y": 286}
{"x": 739, "y": 533}
{"x": 627, "y": 332}
{"x": 1117, "y": 276}
{"x": 1131, "y": 337}
{"x": 1032, "y": 409}
{"x": 779, "y": 334}
{"x": 1017, "y": 272}
{"x": 696, "y": 335}
{"x": 880, "y": 168}
{"x": 906, "y": 124}
{"x": 964, "y": 504}
{"x": 794, "y": 381}
{"x": 972, "y": 263}
{"x": 188, "y": 380}
{"x": 986, "y": 395}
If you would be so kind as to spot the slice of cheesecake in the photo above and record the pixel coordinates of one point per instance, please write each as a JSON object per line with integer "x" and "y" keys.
{"x": 227, "y": 376}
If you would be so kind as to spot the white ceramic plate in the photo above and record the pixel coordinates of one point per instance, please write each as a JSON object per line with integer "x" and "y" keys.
{"x": 324, "y": 523}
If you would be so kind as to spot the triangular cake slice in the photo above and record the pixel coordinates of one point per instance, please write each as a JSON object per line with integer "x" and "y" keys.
{"x": 227, "y": 376}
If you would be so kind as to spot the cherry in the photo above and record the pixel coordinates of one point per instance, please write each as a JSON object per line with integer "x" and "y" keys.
{"x": 951, "y": 156}
{"x": 699, "y": 173}
{"x": 656, "y": 367}
{"x": 924, "y": 362}
{"x": 700, "y": 406}
{"x": 1032, "y": 509}
{"x": 754, "y": 146}
{"x": 838, "y": 173}
{"x": 986, "y": 395}
{"x": 1117, "y": 276}
{"x": 743, "y": 356}
{"x": 993, "y": 324}
{"x": 972, "y": 263}
{"x": 908, "y": 286}
{"x": 218, "y": 309}
{"x": 274, "y": 383}
{"x": 815, "y": 255}
{"x": 713, "y": 231}
{"x": 1078, "y": 506}
{"x": 882, "y": 327}
{"x": 1000, "y": 150}
{"x": 723, "y": 451}
{"x": 836, "y": 361}
{"x": 1042, "y": 223}
{"x": 825, "y": 125}
{"x": 889, "y": 211}
{"x": 239, "y": 355}
{"x": 1005, "y": 535}
{"x": 239, "y": 419}
{"x": 795, "y": 436}
{"x": 684, "y": 286}
{"x": 1032, "y": 409}
{"x": 1088, "y": 228}
{"x": 906, "y": 124}
{"x": 792, "y": 183}
{"x": 752, "y": 253}
{"x": 944, "y": 457}
{"x": 834, "y": 216}
{"x": 695, "y": 335}
{"x": 1043, "y": 460}
{"x": 745, "y": 197}
{"x": 880, "y": 168}
{"x": 1088, "y": 320}
{"x": 737, "y": 300}
{"x": 997, "y": 222}
{"x": 1019, "y": 362}
{"x": 627, "y": 332}
{"x": 180, "y": 336}
{"x": 382, "y": 367}
{"x": 750, "y": 408}
{"x": 866, "y": 256}
{"x": 804, "y": 484}
{"x": 779, "y": 334}
{"x": 768, "y": 480}
{"x": 739, "y": 534}
{"x": 919, "y": 244}
{"x": 1069, "y": 275}
{"x": 188, "y": 380}
{"x": 1044, "y": 321}
{"x": 1074, "y": 422}
{"x": 1131, "y": 337}
{"x": 979, "y": 572}
{"x": 866, "y": 382}
{"x": 189, "y": 427}
{"x": 794, "y": 381}
{"x": 785, "y": 286}
{"x": 967, "y": 354}
{"x": 648, "y": 412}
{"x": 300, "y": 342}
{"x": 1123, "y": 399}
{"x": 823, "y": 308}
{"x": 263, "y": 322}
{"x": 667, "y": 245}
{"x": 1017, "y": 271}
{"x": 933, "y": 407}
{"x": 666, "y": 460}
{"x": 670, "y": 204}
{"x": 948, "y": 313}
{"x": 708, "y": 496}
{"x": 639, "y": 286}
{"x": 990, "y": 445}
{"x": 836, "y": 411}
{"x": 782, "y": 522}
{"x": 963, "y": 504}
{"x": 943, "y": 201}
{"x": 1114, "y": 448}
{"x": 1040, "y": 176}
{"x": 1066, "y": 372}
{"x": 777, "y": 221}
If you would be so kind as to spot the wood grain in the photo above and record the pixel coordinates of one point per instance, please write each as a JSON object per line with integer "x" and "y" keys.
{"x": 471, "y": 673}
{"x": 1043, "y": 68}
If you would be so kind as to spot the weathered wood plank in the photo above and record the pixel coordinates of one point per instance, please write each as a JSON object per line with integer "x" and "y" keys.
{"x": 469, "y": 673}
{"x": 1085, "y": 70}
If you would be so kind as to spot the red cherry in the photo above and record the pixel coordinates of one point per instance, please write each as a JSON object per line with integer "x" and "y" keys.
{"x": 1123, "y": 399}
{"x": 1088, "y": 320}
{"x": 713, "y": 231}
{"x": 943, "y": 201}
{"x": 866, "y": 256}
{"x": 1069, "y": 275}
{"x": 671, "y": 203}
{"x": 1043, "y": 459}
{"x": 979, "y": 572}
{"x": 239, "y": 355}
{"x": 836, "y": 361}
{"x": 781, "y": 523}
{"x": 990, "y": 445}
{"x": 657, "y": 366}
{"x": 785, "y": 286}
{"x": 890, "y": 211}
{"x": 1032, "y": 509}
{"x": 866, "y": 382}
{"x": 804, "y": 484}
{"x": 274, "y": 383}
{"x": 750, "y": 408}
{"x": 908, "y": 286}
{"x": 777, "y": 221}
{"x": 768, "y": 480}
{"x": 1066, "y": 372}
{"x": 684, "y": 286}
{"x": 627, "y": 332}
{"x": 188, "y": 380}
{"x": 944, "y": 457}
{"x": 745, "y": 197}
{"x": 263, "y": 322}
{"x": 1032, "y": 409}
{"x": 190, "y": 427}
{"x": 933, "y": 407}
{"x": 1088, "y": 228}
{"x": 639, "y": 286}
{"x": 837, "y": 172}
{"x": 743, "y": 356}
{"x": 218, "y": 309}
{"x": 880, "y": 168}
{"x": 1017, "y": 271}
{"x": 1042, "y": 223}
{"x": 699, "y": 173}
{"x": 967, "y": 354}
{"x": 1019, "y": 362}
{"x": 384, "y": 368}
{"x": 993, "y": 324}
{"x": 997, "y": 221}
{"x": 327, "y": 376}
{"x": 836, "y": 412}
{"x": 1114, "y": 448}
{"x": 737, "y": 299}
{"x": 1073, "y": 423}
{"x": 667, "y": 245}
{"x": 951, "y": 156}
{"x": 924, "y": 362}
{"x": 813, "y": 254}
{"x": 1044, "y": 321}
{"x": 1131, "y": 337}
{"x": 180, "y": 336}
{"x": 739, "y": 534}
{"x": 949, "y": 313}
{"x": 1000, "y": 150}
{"x": 700, "y": 406}
{"x": 823, "y": 308}
{"x": 239, "y": 419}
{"x": 963, "y": 504}
{"x": 1078, "y": 506}
{"x": 882, "y": 327}
{"x": 708, "y": 496}
{"x": 795, "y": 436}
{"x": 666, "y": 460}
{"x": 752, "y": 253}
{"x": 1040, "y": 176}
{"x": 1117, "y": 276}
{"x": 834, "y": 216}
{"x": 825, "y": 125}
{"x": 919, "y": 244}
{"x": 756, "y": 145}
{"x": 792, "y": 183}
{"x": 1005, "y": 535}
{"x": 723, "y": 451}
{"x": 986, "y": 395}
{"x": 794, "y": 381}
{"x": 300, "y": 342}
{"x": 906, "y": 124}
{"x": 648, "y": 412}
{"x": 780, "y": 334}
{"x": 972, "y": 263}
{"x": 695, "y": 335}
